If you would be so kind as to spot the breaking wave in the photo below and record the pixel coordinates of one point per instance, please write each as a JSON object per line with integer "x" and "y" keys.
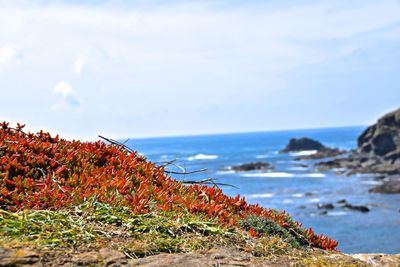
{"x": 202, "y": 157}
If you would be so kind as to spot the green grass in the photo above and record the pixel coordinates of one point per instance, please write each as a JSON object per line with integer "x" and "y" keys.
{"x": 94, "y": 225}
{"x": 44, "y": 228}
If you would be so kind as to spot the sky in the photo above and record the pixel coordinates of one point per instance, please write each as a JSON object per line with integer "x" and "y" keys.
{"x": 166, "y": 68}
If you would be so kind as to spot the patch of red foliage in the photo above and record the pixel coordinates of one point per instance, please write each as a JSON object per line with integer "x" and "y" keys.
{"x": 38, "y": 171}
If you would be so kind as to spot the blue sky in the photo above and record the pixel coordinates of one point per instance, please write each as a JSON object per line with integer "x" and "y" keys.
{"x": 161, "y": 68}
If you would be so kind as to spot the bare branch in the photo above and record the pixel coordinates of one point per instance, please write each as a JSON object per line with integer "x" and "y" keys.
{"x": 207, "y": 181}
{"x": 114, "y": 142}
{"x": 184, "y": 173}
{"x": 18, "y": 130}
{"x": 166, "y": 163}
{"x": 126, "y": 141}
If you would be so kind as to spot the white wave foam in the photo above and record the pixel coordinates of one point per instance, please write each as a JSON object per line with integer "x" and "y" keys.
{"x": 202, "y": 157}
{"x": 336, "y": 213}
{"x": 284, "y": 175}
{"x": 312, "y": 175}
{"x": 226, "y": 172}
{"x": 297, "y": 195}
{"x": 304, "y": 153}
{"x": 314, "y": 200}
{"x": 262, "y": 156}
{"x": 270, "y": 175}
{"x": 287, "y": 201}
{"x": 371, "y": 182}
{"x": 338, "y": 169}
{"x": 266, "y": 195}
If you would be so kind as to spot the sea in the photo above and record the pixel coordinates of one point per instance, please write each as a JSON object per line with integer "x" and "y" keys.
{"x": 293, "y": 186}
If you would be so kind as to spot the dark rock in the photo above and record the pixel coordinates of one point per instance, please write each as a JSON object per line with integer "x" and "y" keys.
{"x": 302, "y": 144}
{"x": 356, "y": 208}
{"x": 325, "y": 212}
{"x": 383, "y": 137}
{"x": 301, "y": 165}
{"x": 359, "y": 163}
{"x": 393, "y": 156}
{"x": 327, "y": 206}
{"x": 308, "y": 194}
{"x": 252, "y": 166}
{"x": 342, "y": 201}
{"x": 392, "y": 186}
{"x": 383, "y": 144}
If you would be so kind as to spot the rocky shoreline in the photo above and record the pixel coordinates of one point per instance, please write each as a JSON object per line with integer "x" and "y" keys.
{"x": 378, "y": 153}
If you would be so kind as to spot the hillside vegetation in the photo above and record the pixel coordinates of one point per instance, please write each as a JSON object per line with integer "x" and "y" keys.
{"x": 57, "y": 194}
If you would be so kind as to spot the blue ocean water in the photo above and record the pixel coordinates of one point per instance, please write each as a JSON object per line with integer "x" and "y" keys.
{"x": 290, "y": 186}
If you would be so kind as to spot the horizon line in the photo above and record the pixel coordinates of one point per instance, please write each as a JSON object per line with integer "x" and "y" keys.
{"x": 239, "y": 132}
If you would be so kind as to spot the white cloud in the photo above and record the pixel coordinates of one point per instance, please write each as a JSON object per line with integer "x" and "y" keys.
{"x": 68, "y": 97}
{"x": 8, "y": 53}
{"x": 64, "y": 89}
{"x": 182, "y": 56}
{"x": 79, "y": 64}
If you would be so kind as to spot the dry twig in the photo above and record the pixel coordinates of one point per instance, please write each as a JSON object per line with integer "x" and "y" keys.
{"x": 114, "y": 142}
{"x": 207, "y": 181}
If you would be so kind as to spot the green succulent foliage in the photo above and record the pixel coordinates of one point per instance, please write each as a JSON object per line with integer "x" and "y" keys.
{"x": 269, "y": 227}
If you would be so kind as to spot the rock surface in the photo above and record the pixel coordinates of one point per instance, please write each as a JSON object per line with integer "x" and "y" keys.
{"x": 19, "y": 256}
{"x": 327, "y": 206}
{"x": 356, "y": 207}
{"x": 390, "y": 186}
{"x": 383, "y": 137}
{"x": 378, "y": 259}
{"x": 252, "y": 166}
{"x": 214, "y": 257}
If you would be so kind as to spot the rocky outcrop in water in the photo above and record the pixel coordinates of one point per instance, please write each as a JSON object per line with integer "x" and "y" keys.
{"x": 360, "y": 208}
{"x": 302, "y": 144}
{"x": 252, "y": 166}
{"x": 389, "y": 186}
{"x": 308, "y": 144}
